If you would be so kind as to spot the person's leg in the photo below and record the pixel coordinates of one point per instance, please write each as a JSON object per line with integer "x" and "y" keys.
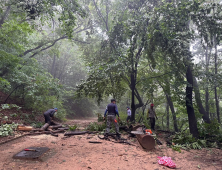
{"x": 154, "y": 122}
{"x": 108, "y": 124}
{"x": 116, "y": 124}
{"x": 47, "y": 119}
{"x": 151, "y": 123}
{"x": 128, "y": 118}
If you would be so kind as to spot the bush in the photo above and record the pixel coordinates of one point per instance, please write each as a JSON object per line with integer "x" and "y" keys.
{"x": 206, "y": 129}
{"x": 96, "y": 126}
{"x": 9, "y": 106}
{"x": 123, "y": 115}
{"x": 37, "y": 124}
{"x": 185, "y": 141}
{"x": 100, "y": 117}
{"x": 73, "y": 128}
{"x": 7, "y": 129}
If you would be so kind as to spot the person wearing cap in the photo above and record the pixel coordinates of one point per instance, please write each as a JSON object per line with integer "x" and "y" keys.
{"x": 128, "y": 114}
{"x": 50, "y": 114}
{"x": 151, "y": 115}
{"x": 111, "y": 117}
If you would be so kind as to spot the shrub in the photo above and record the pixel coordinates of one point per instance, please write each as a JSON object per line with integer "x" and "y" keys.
{"x": 37, "y": 124}
{"x": 186, "y": 141}
{"x": 96, "y": 126}
{"x": 7, "y": 129}
{"x": 206, "y": 129}
{"x": 73, "y": 128}
{"x": 100, "y": 117}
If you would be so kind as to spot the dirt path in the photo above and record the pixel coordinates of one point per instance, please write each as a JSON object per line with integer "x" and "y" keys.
{"x": 76, "y": 153}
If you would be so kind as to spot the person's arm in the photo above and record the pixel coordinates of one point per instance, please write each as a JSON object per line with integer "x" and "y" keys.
{"x": 52, "y": 117}
{"x": 105, "y": 112}
{"x": 117, "y": 111}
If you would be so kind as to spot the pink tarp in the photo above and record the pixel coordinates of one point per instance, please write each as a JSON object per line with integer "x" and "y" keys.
{"x": 166, "y": 161}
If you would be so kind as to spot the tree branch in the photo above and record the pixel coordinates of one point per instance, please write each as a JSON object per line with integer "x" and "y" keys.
{"x": 53, "y": 43}
{"x": 99, "y": 13}
{"x": 47, "y": 46}
{"x": 153, "y": 77}
{"x": 107, "y": 16}
{"x": 5, "y": 15}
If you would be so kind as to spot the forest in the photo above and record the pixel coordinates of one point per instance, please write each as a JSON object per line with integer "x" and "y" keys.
{"x": 77, "y": 55}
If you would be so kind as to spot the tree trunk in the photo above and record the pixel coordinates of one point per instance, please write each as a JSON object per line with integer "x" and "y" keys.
{"x": 189, "y": 103}
{"x": 45, "y": 126}
{"x": 201, "y": 109}
{"x": 169, "y": 100}
{"x": 168, "y": 116}
{"x": 206, "y": 89}
{"x": 133, "y": 84}
{"x": 215, "y": 88}
{"x": 53, "y": 66}
{"x": 143, "y": 108}
{"x": 146, "y": 141}
{"x": 11, "y": 93}
{"x": 5, "y": 15}
{"x": 75, "y": 133}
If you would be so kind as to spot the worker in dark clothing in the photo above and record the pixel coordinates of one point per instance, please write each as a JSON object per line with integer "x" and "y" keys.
{"x": 111, "y": 118}
{"x": 49, "y": 114}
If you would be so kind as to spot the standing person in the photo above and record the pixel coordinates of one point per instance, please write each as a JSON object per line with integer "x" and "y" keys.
{"x": 129, "y": 114}
{"x": 111, "y": 118}
{"x": 151, "y": 115}
{"x": 49, "y": 114}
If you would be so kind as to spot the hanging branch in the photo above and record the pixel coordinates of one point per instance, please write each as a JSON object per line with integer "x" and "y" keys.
{"x": 4, "y": 17}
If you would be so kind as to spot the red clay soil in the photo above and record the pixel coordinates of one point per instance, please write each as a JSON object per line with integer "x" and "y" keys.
{"x": 76, "y": 153}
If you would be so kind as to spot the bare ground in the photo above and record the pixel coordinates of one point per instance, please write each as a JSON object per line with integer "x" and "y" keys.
{"x": 76, "y": 153}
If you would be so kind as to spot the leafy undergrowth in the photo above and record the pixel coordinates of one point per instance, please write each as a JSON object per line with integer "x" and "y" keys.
{"x": 11, "y": 115}
{"x": 73, "y": 128}
{"x": 16, "y": 114}
{"x": 100, "y": 117}
{"x": 7, "y": 129}
{"x": 94, "y": 126}
{"x": 210, "y": 136}
{"x": 186, "y": 141}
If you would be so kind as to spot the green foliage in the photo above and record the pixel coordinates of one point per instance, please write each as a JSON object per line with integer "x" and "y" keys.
{"x": 7, "y": 129}
{"x": 100, "y": 117}
{"x": 186, "y": 141}
{"x": 176, "y": 148}
{"x": 206, "y": 129}
{"x": 123, "y": 123}
{"x": 183, "y": 138}
{"x": 37, "y": 124}
{"x": 9, "y": 106}
{"x": 96, "y": 126}
{"x": 123, "y": 115}
{"x": 40, "y": 90}
{"x": 14, "y": 115}
{"x": 73, "y": 128}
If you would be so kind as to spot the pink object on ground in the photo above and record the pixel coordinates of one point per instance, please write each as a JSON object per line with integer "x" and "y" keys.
{"x": 166, "y": 161}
